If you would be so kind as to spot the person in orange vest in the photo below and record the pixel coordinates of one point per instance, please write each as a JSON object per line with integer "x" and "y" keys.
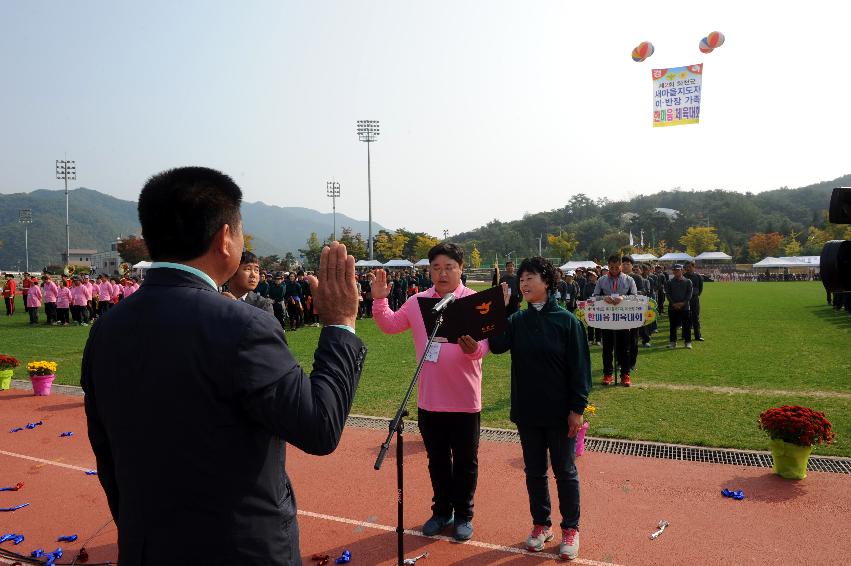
{"x": 9, "y": 290}
{"x": 26, "y": 282}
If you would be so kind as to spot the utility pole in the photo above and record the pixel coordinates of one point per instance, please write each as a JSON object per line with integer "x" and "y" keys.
{"x": 25, "y": 217}
{"x": 367, "y": 132}
{"x": 66, "y": 170}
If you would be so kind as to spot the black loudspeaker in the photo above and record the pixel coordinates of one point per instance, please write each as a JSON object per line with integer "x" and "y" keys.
{"x": 836, "y": 254}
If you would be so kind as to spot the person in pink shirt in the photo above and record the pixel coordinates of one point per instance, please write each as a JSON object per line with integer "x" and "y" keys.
{"x": 34, "y": 296}
{"x": 449, "y": 394}
{"x": 63, "y": 303}
{"x": 50, "y": 290}
{"x": 104, "y": 290}
{"x": 117, "y": 290}
{"x": 92, "y": 306}
{"x": 81, "y": 299}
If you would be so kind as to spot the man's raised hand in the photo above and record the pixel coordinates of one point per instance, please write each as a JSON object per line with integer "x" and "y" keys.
{"x": 336, "y": 291}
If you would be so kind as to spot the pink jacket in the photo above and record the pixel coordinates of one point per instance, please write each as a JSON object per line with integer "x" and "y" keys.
{"x": 63, "y": 298}
{"x": 80, "y": 296}
{"x": 454, "y": 382}
{"x": 34, "y": 296}
{"x": 50, "y": 291}
{"x": 130, "y": 289}
{"x": 104, "y": 291}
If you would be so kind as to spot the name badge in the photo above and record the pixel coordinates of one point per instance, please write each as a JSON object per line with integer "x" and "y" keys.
{"x": 433, "y": 352}
{"x": 567, "y": 296}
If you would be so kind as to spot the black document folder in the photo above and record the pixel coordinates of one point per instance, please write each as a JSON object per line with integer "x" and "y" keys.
{"x": 481, "y": 315}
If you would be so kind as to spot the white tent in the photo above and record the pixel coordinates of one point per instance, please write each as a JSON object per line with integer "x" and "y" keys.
{"x": 142, "y": 265}
{"x": 422, "y": 263}
{"x": 676, "y": 256}
{"x": 368, "y": 263}
{"x": 643, "y": 257}
{"x": 575, "y": 264}
{"x": 712, "y": 256}
{"x": 806, "y": 261}
{"x": 398, "y": 263}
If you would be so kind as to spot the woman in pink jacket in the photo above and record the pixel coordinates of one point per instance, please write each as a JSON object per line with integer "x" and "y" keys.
{"x": 449, "y": 394}
{"x": 34, "y": 301}
{"x": 50, "y": 290}
{"x": 81, "y": 298}
{"x": 63, "y": 303}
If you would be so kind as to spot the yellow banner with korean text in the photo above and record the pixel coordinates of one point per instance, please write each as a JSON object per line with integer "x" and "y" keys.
{"x": 633, "y": 312}
{"x": 676, "y": 95}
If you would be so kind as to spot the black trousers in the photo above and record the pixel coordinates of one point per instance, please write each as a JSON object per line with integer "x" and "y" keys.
{"x": 278, "y": 309}
{"x": 661, "y": 301}
{"x": 103, "y": 306}
{"x": 33, "y": 314}
{"x": 50, "y": 311}
{"x": 536, "y": 441}
{"x": 677, "y": 318}
{"x": 617, "y": 341}
{"x": 10, "y": 305}
{"x": 694, "y": 317}
{"x": 633, "y": 347}
{"x": 452, "y": 444}
{"x": 594, "y": 334}
{"x": 62, "y": 315}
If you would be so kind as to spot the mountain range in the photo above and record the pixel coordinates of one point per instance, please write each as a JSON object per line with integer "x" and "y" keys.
{"x": 97, "y": 219}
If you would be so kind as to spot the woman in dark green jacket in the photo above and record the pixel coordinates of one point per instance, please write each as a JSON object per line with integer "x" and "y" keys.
{"x": 550, "y": 380}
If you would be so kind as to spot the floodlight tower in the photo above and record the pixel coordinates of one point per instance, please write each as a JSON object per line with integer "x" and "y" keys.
{"x": 66, "y": 170}
{"x": 25, "y": 217}
{"x": 332, "y": 189}
{"x": 368, "y": 132}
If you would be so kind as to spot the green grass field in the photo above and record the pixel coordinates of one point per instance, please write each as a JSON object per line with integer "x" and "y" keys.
{"x": 766, "y": 344}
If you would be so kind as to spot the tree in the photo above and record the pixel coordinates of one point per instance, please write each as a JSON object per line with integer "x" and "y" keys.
{"x": 423, "y": 245}
{"x": 390, "y": 245}
{"x": 289, "y": 262}
{"x": 248, "y": 242}
{"x": 475, "y": 258}
{"x": 133, "y": 250}
{"x": 699, "y": 239}
{"x": 564, "y": 244}
{"x": 312, "y": 252}
{"x": 763, "y": 245}
{"x": 269, "y": 262}
{"x": 792, "y": 248}
{"x": 355, "y": 244}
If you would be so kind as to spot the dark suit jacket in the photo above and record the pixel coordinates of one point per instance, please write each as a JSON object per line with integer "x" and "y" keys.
{"x": 190, "y": 397}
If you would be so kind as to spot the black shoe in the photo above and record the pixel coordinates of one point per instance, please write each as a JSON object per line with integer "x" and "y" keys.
{"x": 436, "y": 524}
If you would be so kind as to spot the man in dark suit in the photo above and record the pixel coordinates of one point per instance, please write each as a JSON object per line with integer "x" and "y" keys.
{"x": 191, "y": 396}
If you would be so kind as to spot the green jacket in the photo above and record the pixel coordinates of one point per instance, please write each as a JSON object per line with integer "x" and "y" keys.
{"x": 550, "y": 364}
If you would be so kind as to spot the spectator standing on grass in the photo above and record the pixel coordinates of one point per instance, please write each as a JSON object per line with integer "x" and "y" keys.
{"x": 63, "y": 304}
{"x": 694, "y": 304}
{"x": 26, "y": 283}
{"x": 611, "y": 287}
{"x": 50, "y": 290}
{"x": 449, "y": 394}
{"x": 679, "y": 291}
{"x": 34, "y": 296}
{"x": 189, "y": 420}
{"x": 9, "y": 290}
{"x": 628, "y": 268}
{"x": 278, "y": 296}
{"x": 93, "y": 297}
{"x": 292, "y": 296}
{"x": 80, "y": 301}
{"x": 550, "y": 381}
{"x": 661, "y": 282}
{"x": 570, "y": 291}
{"x": 595, "y": 335}
{"x": 511, "y": 279}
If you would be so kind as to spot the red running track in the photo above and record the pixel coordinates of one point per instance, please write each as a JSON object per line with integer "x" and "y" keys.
{"x": 345, "y": 504}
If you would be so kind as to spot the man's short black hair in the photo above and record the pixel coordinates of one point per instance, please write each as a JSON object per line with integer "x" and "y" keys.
{"x": 248, "y": 257}
{"x": 614, "y": 258}
{"x": 182, "y": 209}
{"x": 542, "y": 267}
{"x": 509, "y": 262}
{"x": 627, "y": 259}
{"x": 448, "y": 249}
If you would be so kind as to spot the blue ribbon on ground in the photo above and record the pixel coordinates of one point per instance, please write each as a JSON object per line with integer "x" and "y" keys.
{"x": 15, "y": 508}
{"x": 91, "y": 472}
{"x": 345, "y": 558}
{"x": 69, "y": 433}
{"x": 67, "y": 538}
{"x": 738, "y": 494}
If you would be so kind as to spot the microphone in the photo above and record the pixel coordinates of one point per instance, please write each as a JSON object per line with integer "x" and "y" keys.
{"x": 447, "y": 300}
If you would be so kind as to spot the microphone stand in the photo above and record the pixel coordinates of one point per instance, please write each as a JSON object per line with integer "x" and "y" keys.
{"x": 398, "y": 426}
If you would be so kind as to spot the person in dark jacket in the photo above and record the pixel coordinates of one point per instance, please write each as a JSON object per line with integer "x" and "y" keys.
{"x": 510, "y": 278}
{"x": 242, "y": 285}
{"x": 694, "y": 304}
{"x": 679, "y": 292}
{"x": 550, "y": 381}
{"x": 595, "y": 335}
{"x": 189, "y": 417}
{"x": 277, "y": 294}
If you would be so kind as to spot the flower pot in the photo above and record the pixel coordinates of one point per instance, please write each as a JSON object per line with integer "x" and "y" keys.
{"x": 42, "y": 383}
{"x": 790, "y": 460}
{"x": 6, "y": 378}
{"x": 580, "y": 439}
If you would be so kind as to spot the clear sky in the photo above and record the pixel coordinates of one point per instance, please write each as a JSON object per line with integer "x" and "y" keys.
{"x": 488, "y": 108}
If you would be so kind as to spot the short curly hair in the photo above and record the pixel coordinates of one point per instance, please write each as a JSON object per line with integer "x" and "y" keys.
{"x": 542, "y": 267}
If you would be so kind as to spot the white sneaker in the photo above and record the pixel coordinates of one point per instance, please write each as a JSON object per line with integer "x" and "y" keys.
{"x": 688, "y": 345}
{"x": 569, "y": 548}
{"x": 540, "y": 535}
{"x": 672, "y": 345}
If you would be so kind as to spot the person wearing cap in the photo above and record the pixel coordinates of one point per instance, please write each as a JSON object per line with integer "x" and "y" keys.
{"x": 679, "y": 291}
{"x": 580, "y": 278}
{"x": 266, "y": 280}
{"x": 277, "y": 294}
{"x": 26, "y": 283}
{"x": 661, "y": 281}
{"x": 293, "y": 299}
{"x": 694, "y": 305}
{"x": 569, "y": 290}
{"x": 34, "y": 296}
{"x": 9, "y": 290}
{"x": 611, "y": 287}
{"x": 647, "y": 330}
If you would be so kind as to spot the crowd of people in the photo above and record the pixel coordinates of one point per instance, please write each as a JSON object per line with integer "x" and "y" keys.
{"x": 81, "y": 298}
